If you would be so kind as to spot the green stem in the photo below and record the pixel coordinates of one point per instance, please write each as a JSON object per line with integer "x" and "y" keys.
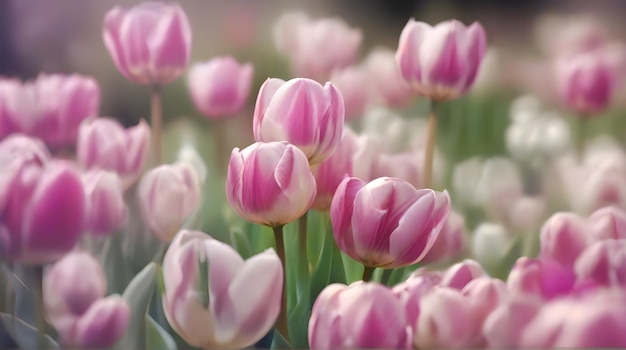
{"x": 431, "y": 140}
{"x": 39, "y": 303}
{"x": 156, "y": 121}
{"x": 302, "y": 240}
{"x": 281, "y": 323}
{"x": 384, "y": 279}
{"x": 218, "y": 129}
{"x": 580, "y": 137}
{"x": 367, "y": 273}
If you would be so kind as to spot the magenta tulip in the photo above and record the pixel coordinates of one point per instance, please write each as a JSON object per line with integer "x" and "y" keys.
{"x": 269, "y": 183}
{"x": 302, "y": 112}
{"x": 504, "y": 327}
{"x": 563, "y": 237}
{"x": 541, "y": 277}
{"x": 608, "y": 223}
{"x": 603, "y": 262}
{"x": 441, "y": 62}
{"x": 450, "y": 242}
{"x": 386, "y": 222}
{"x": 411, "y": 291}
{"x": 106, "y": 210}
{"x": 460, "y": 274}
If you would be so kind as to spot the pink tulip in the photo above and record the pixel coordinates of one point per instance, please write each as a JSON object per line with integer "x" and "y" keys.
{"x": 74, "y": 290}
{"x": 208, "y": 299}
{"x": 542, "y": 277}
{"x": 563, "y": 237}
{"x": 302, "y": 112}
{"x": 389, "y": 87}
{"x": 353, "y": 83}
{"x": 386, "y": 222}
{"x": 150, "y": 43}
{"x": 603, "y": 262}
{"x": 168, "y": 195}
{"x": 405, "y": 166}
{"x": 608, "y": 223}
{"x": 450, "y": 242}
{"x": 269, "y": 183}
{"x": 441, "y": 62}
{"x": 43, "y": 215}
{"x": 486, "y": 294}
{"x": 460, "y": 274}
{"x": 503, "y": 328}
{"x": 103, "y": 143}
{"x": 220, "y": 87}
{"x": 330, "y": 173}
{"x": 50, "y": 107}
{"x": 411, "y": 291}
{"x": 586, "y": 82}
{"x": 316, "y": 47}
{"x": 106, "y": 210}
{"x": 358, "y": 316}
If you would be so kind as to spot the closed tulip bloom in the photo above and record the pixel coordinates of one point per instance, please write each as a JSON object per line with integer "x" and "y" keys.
{"x": 563, "y": 237}
{"x": 358, "y": 316}
{"x": 220, "y": 87}
{"x": 608, "y": 223}
{"x": 441, "y": 62}
{"x": 168, "y": 195}
{"x": 503, "y": 328}
{"x": 460, "y": 274}
{"x": 74, "y": 290}
{"x": 302, "y": 112}
{"x": 103, "y": 143}
{"x": 353, "y": 83}
{"x": 150, "y": 43}
{"x": 208, "y": 299}
{"x": 269, "y": 183}
{"x": 411, "y": 291}
{"x": 486, "y": 294}
{"x": 389, "y": 88}
{"x": 450, "y": 242}
{"x": 387, "y": 222}
{"x": 404, "y": 166}
{"x": 586, "y": 82}
{"x": 106, "y": 210}
{"x": 544, "y": 278}
{"x": 44, "y": 213}
{"x": 603, "y": 262}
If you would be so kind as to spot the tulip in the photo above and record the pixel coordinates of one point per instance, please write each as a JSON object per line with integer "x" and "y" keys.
{"x": 451, "y": 240}
{"x": 103, "y": 143}
{"x": 168, "y": 195}
{"x": 74, "y": 290}
{"x": 390, "y": 89}
{"x": 411, "y": 291}
{"x": 330, "y": 173}
{"x": 269, "y": 183}
{"x": 358, "y": 316}
{"x": 50, "y": 108}
{"x": 586, "y": 82}
{"x": 316, "y": 47}
{"x": 486, "y": 294}
{"x": 503, "y": 328}
{"x": 544, "y": 278}
{"x": 220, "y": 87}
{"x": 365, "y": 157}
{"x": 603, "y": 262}
{"x": 43, "y": 214}
{"x": 387, "y": 222}
{"x": 302, "y": 112}
{"x": 441, "y": 62}
{"x": 207, "y": 298}
{"x": 528, "y": 214}
{"x": 353, "y": 84}
{"x": 460, "y": 274}
{"x": 403, "y": 166}
{"x": 608, "y": 223}
{"x": 490, "y": 244}
{"x": 150, "y": 43}
{"x": 563, "y": 237}
{"x": 106, "y": 210}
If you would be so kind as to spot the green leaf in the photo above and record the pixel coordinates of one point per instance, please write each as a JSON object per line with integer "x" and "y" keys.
{"x": 25, "y": 335}
{"x": 279, "y": 342}
{"x": 138, "y": 295}
{"x": 241, "y": 242}
{"x": 329, "y": 268}
{"x": 158, "y": 338}
{"x": 299, "y": 323}
{"x": 395, "y": 276}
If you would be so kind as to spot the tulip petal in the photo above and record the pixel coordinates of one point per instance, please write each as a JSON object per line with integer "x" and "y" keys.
{"x": 266, "y": 93}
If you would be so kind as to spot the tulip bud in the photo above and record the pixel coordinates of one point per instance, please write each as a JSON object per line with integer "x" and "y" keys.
{"x": 358, "y": 316}
{"x": 603, "y": 262}
{"x": 150, "y": 43}
{"x": 441, "y": 62}
{"x": 303, "y": 112}
{"x": 103, "y": 143}
{"x": 540, "y": 277}
{"x": 486, "y": 294}
{"x": 608, "y": 223}
{"x": 43, "y": 214}
{"x": 490, "y": 243}
{"x": 269, "y": 183}
{"x": 353, "y": 84}
{"x": 103, "y": 325}
{"x": 563, "y": 237}
{"x": 503, "y": 328}
{"x": 460, "y": 274}
{"x": 207, "y": 298}
{"x": 168, "y": 194}
{"x": 390, "y": 89}
{"x": 450, "y": 242}
{"x": 411, "y": 291}
{"x": 220, "y": 87}
{"x": 386, "y": 222}
{"x": 106, "y": 210}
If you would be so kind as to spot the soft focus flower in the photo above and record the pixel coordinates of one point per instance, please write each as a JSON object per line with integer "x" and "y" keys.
{"x": 450, "y": 242}
{"x": 50, "y": 107}
{"x": 74, "y": 297}
{"x": 544, "y": 278}
{"x": 505, "y": 325}
{"x": 168, "y": 194}
{"x": 460, "y": 274}
{"x": 302, "y": 112}
{"x": 43, "y": 213}
{"x": 389, "y": 88}
{"x": 269, "y": 183}
{"x": 490, "y": 243}
{"x": 405, "y": 166}
{"x": 208, "y": 299}
{"x": 353, "y": 83}
{"x": 150, "y": 43}
{"x": 608, "y": 223}
{"x": 387, "y": 222}
{"x": 585, "y": 82}
{"x": 103, "y": 143}
{"x": 316, "y": 47}
{"x": 411, "y": 291}
{"x": 220, "y": 87}
{"x": 603, "y": 262}
{"x": 527, "y": 214}
{"x": 563, "y": 237}
{"x": 441, "y": 62}
{"x": 359, "y": 316}
{"x": 106, "y": 210}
